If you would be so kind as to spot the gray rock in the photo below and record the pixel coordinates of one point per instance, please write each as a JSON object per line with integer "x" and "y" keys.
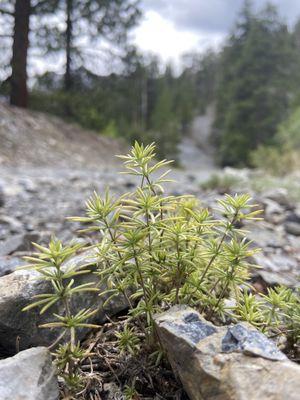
{"x": 2, "y": 195}
{"x": 195, "y": 329}
{"x": 225, "y": 363}
{"x": 11, "y": 244}
{"x": 292, "y": 227}
{"x": 280, "y": 195}
{"x": 277, "y": 268}
{"x": 273, "y": 212}
{"x": 265, "y": 235}
{"x": 247, "y": 340}
{"x": 18, "y": 289}
{"x": 11, "y": 224}
{"x": 29, "y": 375}
{"x": 249, "y": 378}
{"x": 279, "y": 278}
{"x": 20, "y": 242}
{"x": 29, "y": 185}
{"x": 9, "y": 264}
{"x": 294, "y": 216}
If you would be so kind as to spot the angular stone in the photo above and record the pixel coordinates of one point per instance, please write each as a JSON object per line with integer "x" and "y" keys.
{"x": 278, "y": 278}
{"x": 225, "y": 363}
{"x": 18, "y": 289}
{"x": 281, "y": 196}
{"x": 9, "y": 264}
{"x": 194, "y": 329}
{"x": 12, "y": 224}
{"x": 19, "y": 242}
{"x": 273, "y": 213}
{"x": 276, "y": 268}
{"x": 294, "y": 216}
{"x": 11, "y": 244}
{"x": 249, "y": 378}
{"x": 292, "y": 228}
{"x": 243, "y": 338}
{"x": 29, "y": 375}
{"x": 266, "y": 235}
{"x": 198, "y": 377}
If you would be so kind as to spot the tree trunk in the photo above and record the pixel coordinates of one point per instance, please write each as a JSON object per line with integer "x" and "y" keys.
{"x": 19, "y": 92}
{"x": 69, "y": 37}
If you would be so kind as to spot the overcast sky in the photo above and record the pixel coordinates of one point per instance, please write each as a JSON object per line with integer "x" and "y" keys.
{"x": 173, "y": 27}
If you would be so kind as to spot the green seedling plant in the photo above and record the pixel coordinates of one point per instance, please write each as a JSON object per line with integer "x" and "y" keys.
{"x": 157, "y": 250}
{"x": 281, "y": 308}
{"x": 130, "y": 393}
{"x": 128, "y": 341}
{"x": 276, "y": 313}
{"x": 51, "y": 263}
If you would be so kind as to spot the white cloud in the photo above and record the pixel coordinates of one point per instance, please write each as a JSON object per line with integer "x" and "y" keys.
{"x": 214, "y": 15}
{"x": 157, "y": 34}
{"x": 173, "y": 27}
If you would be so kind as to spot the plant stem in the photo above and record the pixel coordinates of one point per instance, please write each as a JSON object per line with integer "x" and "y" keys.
{"x": 225, "y": 287}
{"x": 113, "y": 239}
{"x": 215, "y": 255}
{"x": 178, "y": 278}
{"x": 142, "y": 282}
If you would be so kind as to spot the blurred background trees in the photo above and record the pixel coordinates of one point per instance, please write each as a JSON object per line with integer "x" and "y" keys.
{"x": 252, "y": 81}
{"x": 258, "y": 72}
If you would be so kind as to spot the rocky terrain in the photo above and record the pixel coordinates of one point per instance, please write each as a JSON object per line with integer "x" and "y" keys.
{"x": 49, "y": 168}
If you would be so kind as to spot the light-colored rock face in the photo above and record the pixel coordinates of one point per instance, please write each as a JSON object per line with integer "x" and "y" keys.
{"x": 225, "y": 363}
{"x": 17, "y": 290}
{"x": 247, "y": 378}
{"x": 29, "y": 375}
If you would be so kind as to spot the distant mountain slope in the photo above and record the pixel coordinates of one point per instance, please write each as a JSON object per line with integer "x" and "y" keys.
{"x": 31, "y": 138}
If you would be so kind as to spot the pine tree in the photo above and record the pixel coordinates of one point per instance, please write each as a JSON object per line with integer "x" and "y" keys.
{"x": 164, "y": 121}
{"x": 87, "y": 23}
{"x": 19, "y": 92}
{"x": 15, "y": 17}
{"x": 255, "y": 84}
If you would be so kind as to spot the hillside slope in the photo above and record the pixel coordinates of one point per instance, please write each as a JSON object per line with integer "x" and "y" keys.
{"x": 30, "y": 138}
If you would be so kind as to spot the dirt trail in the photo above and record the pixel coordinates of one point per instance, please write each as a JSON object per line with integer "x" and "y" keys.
{"x": 196, "y": 153}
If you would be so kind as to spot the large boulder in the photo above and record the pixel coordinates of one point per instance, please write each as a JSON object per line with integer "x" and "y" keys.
{"x": 29, "y": 375}
{"x": 234, "y": 362}
{"x": 18, "y": 290}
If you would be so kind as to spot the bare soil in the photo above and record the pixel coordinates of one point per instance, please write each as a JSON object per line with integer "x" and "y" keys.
{"x": 29, "y": 138}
